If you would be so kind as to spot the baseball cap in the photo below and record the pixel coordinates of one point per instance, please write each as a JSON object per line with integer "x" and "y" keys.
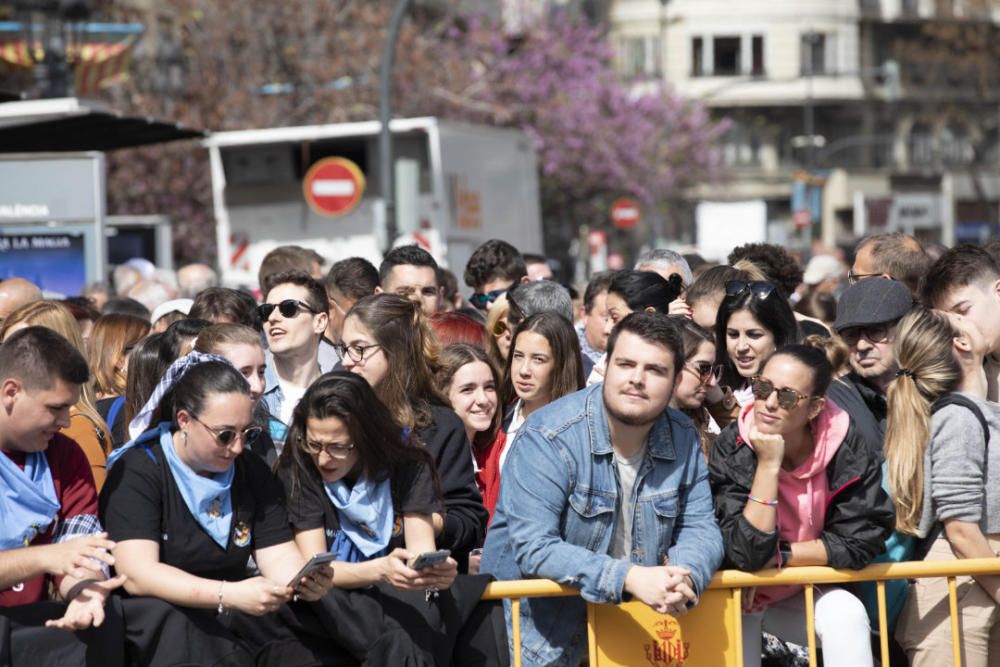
{"x": 872, "y": 301}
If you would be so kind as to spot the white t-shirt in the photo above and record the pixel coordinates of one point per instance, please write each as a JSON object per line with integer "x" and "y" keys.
{"x": 628, "y": 470}
{"x": 517, "y": 419}
{"x": 291, "y": 395}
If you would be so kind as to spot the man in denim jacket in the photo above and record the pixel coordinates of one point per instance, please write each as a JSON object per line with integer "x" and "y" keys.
{"x": 607, "y": 490}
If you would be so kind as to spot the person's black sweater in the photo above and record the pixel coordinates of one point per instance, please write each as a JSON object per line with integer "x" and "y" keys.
{"x": 465, "y": 516}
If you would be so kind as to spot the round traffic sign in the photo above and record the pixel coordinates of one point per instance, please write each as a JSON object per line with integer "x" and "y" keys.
{"x": 333, "y": 186}
{"x": 625, "y": 213}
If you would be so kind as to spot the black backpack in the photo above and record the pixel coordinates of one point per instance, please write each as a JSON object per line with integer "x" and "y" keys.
{"x": 924, "y": 545}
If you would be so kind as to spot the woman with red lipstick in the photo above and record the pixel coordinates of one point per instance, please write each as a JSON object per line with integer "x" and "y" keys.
{"x": 794, "y": 484}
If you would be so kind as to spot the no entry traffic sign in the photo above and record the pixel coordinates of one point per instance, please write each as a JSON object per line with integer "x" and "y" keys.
{"x": 625, "y": 213}
{"x": 333, "y": 186}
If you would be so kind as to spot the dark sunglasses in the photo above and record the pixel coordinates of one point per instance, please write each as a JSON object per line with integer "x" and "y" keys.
{"x": 480, "y": 301}
{"x": 228, "y": 436}
{"x": 706, "y": 371}
{"x": 758, "y": 288}
{"x": 500, "y": 328}
{"x": 288, "y": 308}
{"x": 788, "y": 398}
{"x": 875, "y": 334}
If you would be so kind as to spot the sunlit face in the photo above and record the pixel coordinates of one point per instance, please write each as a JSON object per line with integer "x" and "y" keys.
{"x": 748, "y": 343}
{"x": 690, "y": 389}
{"x": 35, "y": 416}
{"x": 871, "y": 358}
{"x": 371, "y": 363}
{"x": 199, "y": 446}
{"x": 784, "y": 371}
{"x": 532, "y": 368}
{"x": 980, "y": 303}
{"x": 249, "y": 361}
{"x": 975, "y": 341}
{"x": 416, "y": 283}
{"x": 595, "y": 323}
{"x": 473, "y": 396}
{"x": 324, "y": 436}
{"x": 617, "y": 311}
{"x": 298, "y": 332}
{"x": 639, "y": 380}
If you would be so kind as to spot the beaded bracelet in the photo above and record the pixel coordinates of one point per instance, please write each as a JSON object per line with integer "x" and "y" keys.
{"x": 769, "y": 503}
{"x": 221, "y": 608}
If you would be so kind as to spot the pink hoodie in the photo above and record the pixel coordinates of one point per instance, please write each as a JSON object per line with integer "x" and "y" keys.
{"x": 803, "y": 492}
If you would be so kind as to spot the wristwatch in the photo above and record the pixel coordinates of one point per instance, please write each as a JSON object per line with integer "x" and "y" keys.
{"x": 728, "y": 400}
{"x": 784, "y": 553}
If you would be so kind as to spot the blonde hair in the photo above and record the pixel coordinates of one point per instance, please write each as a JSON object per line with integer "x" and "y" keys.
{"x": 924, "y": 349}
{"x": 58, "y": 318}
{"x": 496, "y": 313}
{"x": 752, "y": 270}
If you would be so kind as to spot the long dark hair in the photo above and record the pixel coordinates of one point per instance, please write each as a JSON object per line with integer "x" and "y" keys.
{"x": 145, "y": 368}
{"x": 773, "y": 313}
{"x": 411, "y": 350}
{"x": 567, "y": 362}
{"x": 645, "y": 289}
{"x": 378, "y": 439}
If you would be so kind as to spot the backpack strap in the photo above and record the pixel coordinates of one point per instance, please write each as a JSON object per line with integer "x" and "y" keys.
{"x": 113, "y": 411}
{"x": 924, "y": 545}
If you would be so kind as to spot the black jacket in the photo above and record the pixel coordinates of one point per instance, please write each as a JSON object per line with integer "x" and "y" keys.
{"x": 465, "y": 516}
{"x": 867, "y": 407}
{"x": 859, "y": 514}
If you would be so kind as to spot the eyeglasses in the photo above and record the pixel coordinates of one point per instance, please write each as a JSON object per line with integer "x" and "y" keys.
{"x": 876, "y": 334}
{"x": 788, "y": 398}
{"x": 288, "y": 308}
{"x": 355, "y": 351}
{"x": 480, "y": 301}
{"x": 705, "y": 371}
{"x": 333, "y": 450}
{"x": 853, "y": 277}
{"x": 227, "y": 436}
{"x": 758, "y": 288}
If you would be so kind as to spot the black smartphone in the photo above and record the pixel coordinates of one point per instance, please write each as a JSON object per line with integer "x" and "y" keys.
{"x": 429, "y": 558}
{"x": 317, "y": 562}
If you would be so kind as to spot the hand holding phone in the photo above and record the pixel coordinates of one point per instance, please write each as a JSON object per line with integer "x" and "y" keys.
{"x": 430, "y": 558}
{"x": 317, "y": 562}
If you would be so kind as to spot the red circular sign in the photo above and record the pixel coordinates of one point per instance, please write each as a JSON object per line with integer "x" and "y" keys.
{"x": 333, "y": 186}
{"x": 625, "y": 213}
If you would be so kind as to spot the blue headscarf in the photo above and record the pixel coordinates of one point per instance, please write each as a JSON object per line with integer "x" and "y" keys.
{"x": 28, "y": 502}
{"x": 366, "y": 518}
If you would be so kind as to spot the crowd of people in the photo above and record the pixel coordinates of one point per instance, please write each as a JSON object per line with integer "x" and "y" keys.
{"x": 176, "y": 453}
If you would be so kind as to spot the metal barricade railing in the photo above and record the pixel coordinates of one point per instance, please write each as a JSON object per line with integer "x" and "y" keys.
{"x": 808, "y": 577}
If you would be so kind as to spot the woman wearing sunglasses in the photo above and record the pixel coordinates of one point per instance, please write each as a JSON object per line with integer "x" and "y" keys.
{"x": 188, "y": 509}
{"x": 754, "y": 320}
{"x": 388, "y": 342}
{"x": 698, "y": 375}
{"x": 794, "y": 485}
{"x": 497, "y": 334}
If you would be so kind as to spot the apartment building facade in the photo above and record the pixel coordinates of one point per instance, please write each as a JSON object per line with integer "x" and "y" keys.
{"x": 889, "y": 108}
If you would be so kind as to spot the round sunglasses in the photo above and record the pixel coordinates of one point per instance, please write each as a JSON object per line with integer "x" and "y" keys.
{"x": 788, "y": 398}
{"x": 227, "y": 436}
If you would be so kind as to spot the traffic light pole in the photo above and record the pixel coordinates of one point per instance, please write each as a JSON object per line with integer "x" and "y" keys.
{"x": 386, "y": 171}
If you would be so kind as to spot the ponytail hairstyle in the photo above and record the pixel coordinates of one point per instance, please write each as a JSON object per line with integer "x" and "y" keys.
{"x": 412, "y": 352}
{"x": 645, "y": 289}
{"x": 924, "y": 352}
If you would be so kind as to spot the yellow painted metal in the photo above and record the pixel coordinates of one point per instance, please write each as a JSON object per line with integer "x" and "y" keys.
{"x": 737, "y": 621}
{"x": 956, "y": 639}
{"x": 811, "y": 624}
{"x": 515, "y": 612}
{"x": 883, "y": 623}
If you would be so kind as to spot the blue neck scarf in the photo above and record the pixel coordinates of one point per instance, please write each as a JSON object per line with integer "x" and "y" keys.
{"x": 28, "y": 503}
{"x": 366, "y": 517}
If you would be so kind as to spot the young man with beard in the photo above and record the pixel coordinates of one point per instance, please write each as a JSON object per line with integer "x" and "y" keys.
{"x": 601, "y": 489}
{"x": 867, "y": 316}
{"x": 967, "y": 283}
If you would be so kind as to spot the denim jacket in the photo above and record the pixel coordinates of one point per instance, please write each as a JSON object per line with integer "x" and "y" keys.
{"x": 559, "y": 501}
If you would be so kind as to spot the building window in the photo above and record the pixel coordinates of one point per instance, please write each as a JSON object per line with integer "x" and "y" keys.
{"x": 641, "y": 56}
{"x": 697, "y": 56}
{"x": 726, "y": 56}
{"x": 757, "y": 55}
{"x": 813, "y": 51}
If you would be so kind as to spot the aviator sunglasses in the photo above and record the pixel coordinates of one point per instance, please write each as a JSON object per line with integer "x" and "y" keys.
{"x": 288, "y": 308}
{"x": 758, "y": 288}
{"x": 788, "y": 398}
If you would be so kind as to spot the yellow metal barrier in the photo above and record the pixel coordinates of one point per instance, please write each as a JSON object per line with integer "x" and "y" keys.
{"x": 641, "y": 636}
